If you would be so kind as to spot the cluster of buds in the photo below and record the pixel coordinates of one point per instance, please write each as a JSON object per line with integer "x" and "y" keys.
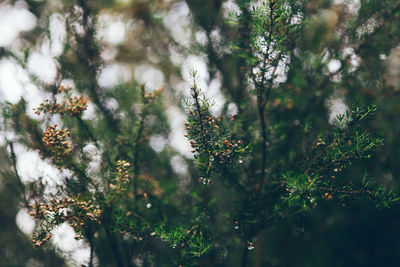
{"x": 319, "y": 142}
{"x": 211, "y": 122}
{"x": 74, "y": 107}
{"x": 327, "y": 196}
{"x": 330, "y": 145}
{"x": 39, "y": 210}
{"x": 41, "y": 239}
{"x": 64, "y": 89}
{"x": 77, "y": 213}
{"x": 226, "y": 151}
{"x": 201, "y": 127}
{"x": 123, "y": 177}
{"x": 213, "y": 134}
{"x": 150, "y": 96}
{"x": 207, "y": 138}
{"x": 56, "y": 142}
{"x": 82, "y": 213}
{"x": 202, "y": 130}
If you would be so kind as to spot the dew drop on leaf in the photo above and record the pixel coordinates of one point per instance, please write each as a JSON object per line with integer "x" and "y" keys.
{"x": 250, "y": 245}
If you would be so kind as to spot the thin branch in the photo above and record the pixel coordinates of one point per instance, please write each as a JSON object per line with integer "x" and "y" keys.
{"x": 195, "y": 95}
{"x": 89, "y": 56}
{"x": 114, "y": 247}
{"x": 91, "y": 250}
{"x": 94, "y": 139}
{"x": 346, "y": 191}
{"x": 14, "y": 163}
{"x": 263, "y": 96}
{"x": 136, "y": 167}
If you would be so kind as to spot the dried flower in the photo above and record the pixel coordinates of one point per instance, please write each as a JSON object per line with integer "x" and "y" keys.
{"x": 73, "y": 106}
{"x": 56, "y": 142}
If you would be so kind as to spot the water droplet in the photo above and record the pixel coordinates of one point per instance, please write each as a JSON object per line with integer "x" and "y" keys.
{"x": 148, "y": 205}
{"x": 250, "y": 245}
{"x": 206, "y": 181}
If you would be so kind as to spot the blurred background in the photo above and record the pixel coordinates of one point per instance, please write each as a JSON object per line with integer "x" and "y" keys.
{"x": 347, "y": 52}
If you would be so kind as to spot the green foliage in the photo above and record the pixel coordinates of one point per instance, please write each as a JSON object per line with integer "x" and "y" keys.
{"x": 215, "y": 150}
{"x": 180, "y": 238}
{"x": 323, "y": 174}
{"x": 278, "y": 174}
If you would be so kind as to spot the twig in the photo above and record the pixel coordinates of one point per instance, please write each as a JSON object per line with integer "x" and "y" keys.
{"x": 136, "y": 166}
{"x": 14, "y": 163}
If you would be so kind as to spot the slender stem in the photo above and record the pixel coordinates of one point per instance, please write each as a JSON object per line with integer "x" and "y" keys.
{"x": 264, "y": 88}
{"x": 93, "y": 138}
{"x": 261, "y": 110}
{"x": 245, "y": 254}
{"x": 14, "y": 163}
{"x": 136, "y": 167}
{"x": 350, "y": 192}
{"x": 259, "y": 250}
{"x": 89, "y": 56}
{"x": 195, "y": 95}
{"x": 137, "y": 144}
{"x": 114, "y": 248}
{"x": 84, "y": 180}
{"x": 91, "y": 249}
{"x": 384, "y": 14}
